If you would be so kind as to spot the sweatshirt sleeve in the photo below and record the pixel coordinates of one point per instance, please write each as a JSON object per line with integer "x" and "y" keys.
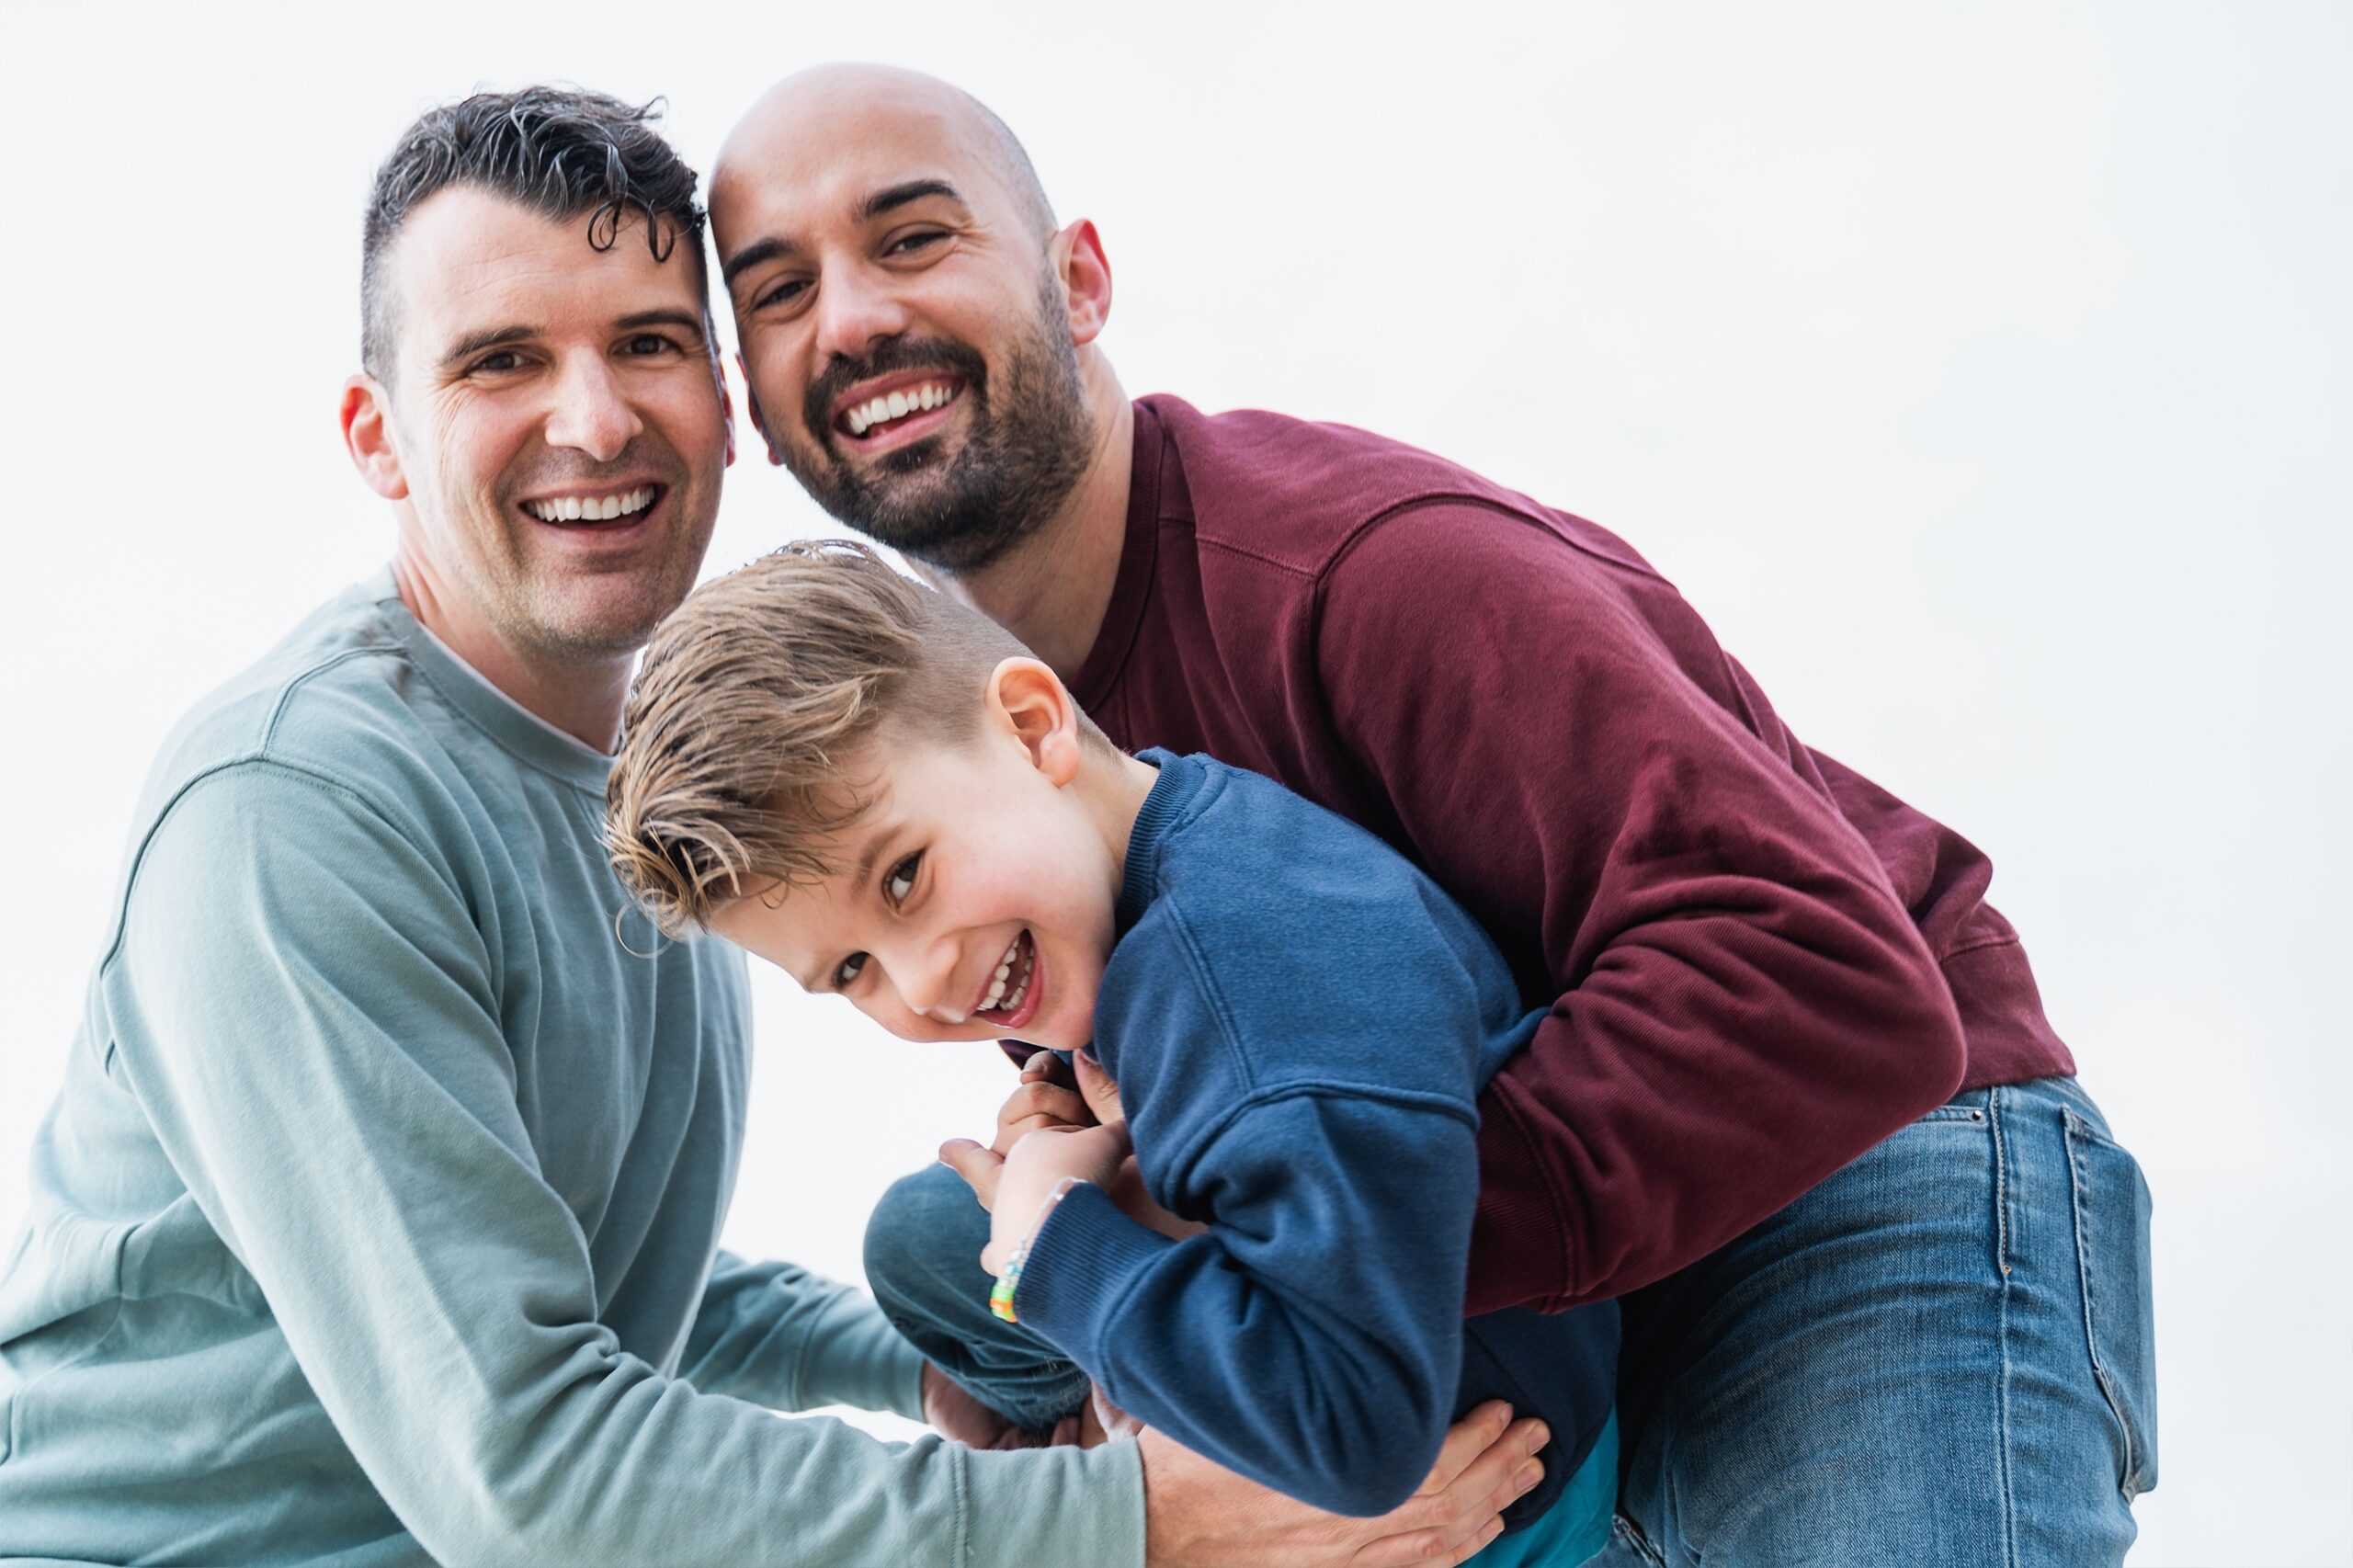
{"x": 306, "y": 1012}
{"x": 1311, "y": 1339}
{"x": 1741, "y": 1006}
{"x": 779, "y": 1336}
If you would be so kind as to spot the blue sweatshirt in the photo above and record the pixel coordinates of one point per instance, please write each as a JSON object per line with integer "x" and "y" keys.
{"x": 1300, "y": 1022}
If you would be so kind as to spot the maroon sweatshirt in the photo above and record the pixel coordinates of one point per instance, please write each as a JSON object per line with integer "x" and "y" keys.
{"x": 1758, "y": 963}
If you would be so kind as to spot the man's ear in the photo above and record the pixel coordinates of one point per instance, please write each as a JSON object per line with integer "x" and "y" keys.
{"x": 1085, "y": 274}
{"x": 367, "y": 437}
{"x": 1029, "y": 700}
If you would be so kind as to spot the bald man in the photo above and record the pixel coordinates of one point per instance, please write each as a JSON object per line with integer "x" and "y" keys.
{"x": 1796, "y": 1088}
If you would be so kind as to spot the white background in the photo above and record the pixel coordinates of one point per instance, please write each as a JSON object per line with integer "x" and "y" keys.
{"x": 1982, "y": 374}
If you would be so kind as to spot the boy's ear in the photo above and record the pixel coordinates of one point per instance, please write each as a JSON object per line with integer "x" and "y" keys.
{"x": 1031, "y": 700}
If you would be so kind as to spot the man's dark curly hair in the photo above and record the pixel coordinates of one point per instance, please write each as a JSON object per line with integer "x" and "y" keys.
{"x": 561, "y": 151}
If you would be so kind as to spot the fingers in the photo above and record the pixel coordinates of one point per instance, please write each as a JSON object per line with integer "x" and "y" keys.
{"x": 1102, "y": 1093}
{"x": 1486, "y": 1462}
{"x": 1468, "y": 1440}
{"x": 1045, "y": 1066}
{"x": 1038, "y": 1102}
{"x": 980, "y": 1168}
{"x": 1476, "y": 1545}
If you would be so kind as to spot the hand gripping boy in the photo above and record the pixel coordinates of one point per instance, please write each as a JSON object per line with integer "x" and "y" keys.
{"x": 880, "y": 792}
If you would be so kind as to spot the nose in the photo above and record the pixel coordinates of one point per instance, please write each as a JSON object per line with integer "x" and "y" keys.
{"x": 923, "y": 971}
{"x": 591, "y": 412}
{"x": 856, "y": 308}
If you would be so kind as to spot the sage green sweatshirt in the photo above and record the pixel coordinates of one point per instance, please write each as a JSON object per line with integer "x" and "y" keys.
{"x": 377, "y": 1219}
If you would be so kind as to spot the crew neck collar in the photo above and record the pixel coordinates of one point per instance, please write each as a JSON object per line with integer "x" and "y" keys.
{"x": 516, "y": 728}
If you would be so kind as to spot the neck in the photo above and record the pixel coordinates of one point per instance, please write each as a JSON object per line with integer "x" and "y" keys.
{"x": 1116, "y": 786}
{"x": 581, "y": 696}
{"x": 1053, "y": 588}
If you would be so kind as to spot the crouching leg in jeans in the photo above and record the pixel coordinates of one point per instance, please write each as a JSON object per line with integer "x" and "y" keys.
{"x": 1942, "y": 1355}
{"x": 923, "y": 1248}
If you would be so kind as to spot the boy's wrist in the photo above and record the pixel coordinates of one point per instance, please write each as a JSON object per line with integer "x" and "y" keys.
{"x": 1008, "y": 1280}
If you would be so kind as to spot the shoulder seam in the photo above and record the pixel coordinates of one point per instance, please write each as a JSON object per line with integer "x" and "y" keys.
{"x": 295, "y": 684}
{"x": 250, "y": 760}
{"x": 1357, "y": 535}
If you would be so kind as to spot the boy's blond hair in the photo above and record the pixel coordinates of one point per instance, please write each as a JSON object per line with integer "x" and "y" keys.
{"x": 752, "y": 715}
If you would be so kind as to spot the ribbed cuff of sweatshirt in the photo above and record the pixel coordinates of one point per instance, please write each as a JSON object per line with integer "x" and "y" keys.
{"x": 1065, "y": 1507}
{"x": 854, "y": 1357}
{"x": 1082, "y": 1264}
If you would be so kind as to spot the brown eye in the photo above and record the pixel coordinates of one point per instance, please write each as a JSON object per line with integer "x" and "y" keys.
{"x": 848, "y": 969}
{"x": 901, "y": 880}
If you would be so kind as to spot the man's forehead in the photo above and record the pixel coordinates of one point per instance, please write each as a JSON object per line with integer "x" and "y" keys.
{"x": 816, "y": 159}
{"x": 464, "y": 252}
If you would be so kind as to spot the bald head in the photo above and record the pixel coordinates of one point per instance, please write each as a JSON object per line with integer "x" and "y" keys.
{"x": 809, "y": 119}
{"x": 918, "y": 336}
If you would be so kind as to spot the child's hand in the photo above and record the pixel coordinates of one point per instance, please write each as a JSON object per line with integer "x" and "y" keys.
{"x": 1045, "y": 1102}
{"x": 1024, "y": 1179}
{"x": 1045, "y": 1098}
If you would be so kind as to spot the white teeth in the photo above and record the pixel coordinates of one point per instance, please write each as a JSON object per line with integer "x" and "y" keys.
{"x": 996, "y": 1000}
{"x": 896, "y": 405}
{"x": 572, "y": 508}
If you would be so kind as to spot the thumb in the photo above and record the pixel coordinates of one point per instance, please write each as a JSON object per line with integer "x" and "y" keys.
{"x": 977, "y": 1164}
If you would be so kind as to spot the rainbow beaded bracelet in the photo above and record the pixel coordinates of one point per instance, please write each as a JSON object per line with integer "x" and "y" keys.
{"x": 1001, "y": 1294}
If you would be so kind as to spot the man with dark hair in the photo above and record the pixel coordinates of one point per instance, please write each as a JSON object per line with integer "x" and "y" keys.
{"x": 377, "y": 1219}
{"x": 1795, "y": 1086}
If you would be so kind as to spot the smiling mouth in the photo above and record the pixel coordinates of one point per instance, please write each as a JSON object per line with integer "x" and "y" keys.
{"x": 590, "y": 510}
{"x": 886, "y": 414}
{"x": 1007, "y": 1000}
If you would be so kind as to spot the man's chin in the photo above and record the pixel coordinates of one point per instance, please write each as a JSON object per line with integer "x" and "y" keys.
{"x": 603, "y": 627}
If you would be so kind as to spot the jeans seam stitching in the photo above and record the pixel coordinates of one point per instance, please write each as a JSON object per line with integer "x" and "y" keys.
{"x": 2071, "y": 1126}
{"x": 2002, "y": 1320}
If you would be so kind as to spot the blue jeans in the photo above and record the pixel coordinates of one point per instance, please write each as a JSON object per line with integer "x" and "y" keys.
{"x": 923, "y": 1248}
{"x": 1942, "y": 1355}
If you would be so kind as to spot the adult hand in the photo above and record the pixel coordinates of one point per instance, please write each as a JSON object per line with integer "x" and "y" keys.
{"x": 1200, "y": 1515}
{"x": 955, "y": 1414}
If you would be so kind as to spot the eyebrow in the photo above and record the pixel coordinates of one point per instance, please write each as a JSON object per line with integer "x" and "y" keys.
{"x": 684, "y": 321}
{"x": 889, "y": 199}
{"x": 754, "y": 254}
{"x": 475, "y": 343}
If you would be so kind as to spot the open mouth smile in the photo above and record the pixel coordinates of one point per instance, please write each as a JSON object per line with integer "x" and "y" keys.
{"x": 1010, "y": 998}
{"x": 590, "y": 509}
{"x": 906, "y": 410}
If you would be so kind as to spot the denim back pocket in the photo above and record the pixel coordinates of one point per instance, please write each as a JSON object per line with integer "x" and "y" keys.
{"x": 2113, "y": 1251}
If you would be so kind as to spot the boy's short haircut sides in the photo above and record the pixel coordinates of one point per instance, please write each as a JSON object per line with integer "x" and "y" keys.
{"x": 753, "y": 714}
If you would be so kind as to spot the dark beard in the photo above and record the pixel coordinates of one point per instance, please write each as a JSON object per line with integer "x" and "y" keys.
{"x": 1026, "y": 448}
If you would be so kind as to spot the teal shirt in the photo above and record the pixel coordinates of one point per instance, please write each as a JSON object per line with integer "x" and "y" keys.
{"x": 378, "y": 1216}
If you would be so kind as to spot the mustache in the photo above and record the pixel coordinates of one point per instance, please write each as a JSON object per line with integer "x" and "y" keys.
{"x": 557, "y": 473}
{"x": 889, "y": 357}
